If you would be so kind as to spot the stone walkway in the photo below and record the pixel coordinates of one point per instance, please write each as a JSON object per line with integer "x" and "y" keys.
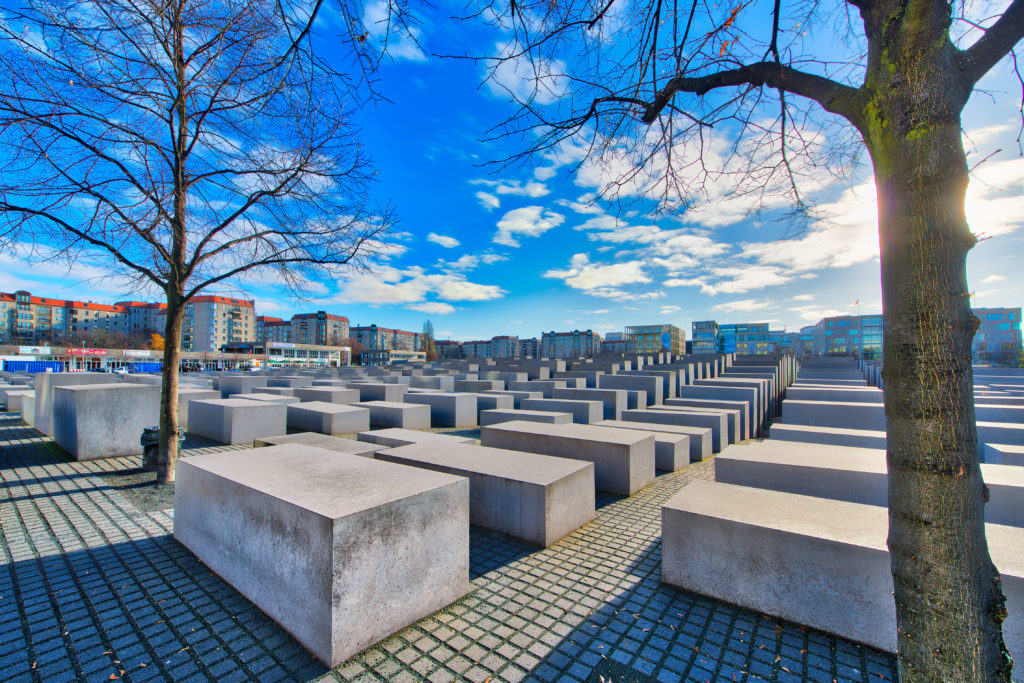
{"x": 93, "y": 588}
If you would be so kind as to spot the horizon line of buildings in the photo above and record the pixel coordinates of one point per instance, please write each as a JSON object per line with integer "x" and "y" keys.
{"x": 214, "y": 322}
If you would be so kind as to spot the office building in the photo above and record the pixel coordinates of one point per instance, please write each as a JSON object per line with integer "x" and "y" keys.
{"x": 849, "y": 335}
{"x": 705, "y": 337}
{"x": 998, "y": 338}
{"x": 656, "y": 338}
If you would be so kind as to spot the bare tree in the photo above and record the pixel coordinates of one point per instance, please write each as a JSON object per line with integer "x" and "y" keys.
{"x": 428, "y": 341}
{"x": 641, "y": 85}
{"x": 183, "y": 143}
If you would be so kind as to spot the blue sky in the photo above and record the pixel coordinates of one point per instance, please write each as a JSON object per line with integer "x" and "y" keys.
{"x": 484, "y": 250}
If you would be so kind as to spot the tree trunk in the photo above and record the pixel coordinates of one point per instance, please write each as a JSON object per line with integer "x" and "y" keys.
{"x": 169, "y": 429}
{"x": 949, "y": 604}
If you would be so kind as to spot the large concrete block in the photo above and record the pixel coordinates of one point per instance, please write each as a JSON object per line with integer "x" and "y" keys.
{"x": 290, "y": 382}
{"x": 623, "y": 459}
{"x": 834, "y": 414}
{"x": 819, "y": 562}
{"x": 745, "y": 415}
{"x": 493, "y": 402}
{"x": 716, "y": 422}
{"x": 999, "y": 432}
{"x": 240, "y": 384}
{"x": 395, "y": 437}
{"x": 475, "y": 386}
{"x": 15, "y": 398}
{"x": 614, "y": 400}
{"x": 845, "y": 394}
{"x": 391, "y": 393}
{"x": 544, "y": 386}
{"x": 44, "y": 384}
{"x": 856, "y": 475}
{"x": 517, "y": 396}
{"x": 747, "y": 395}
{"x": 671, "y": 451}
{"x": 1002, "y": 454}
{"x": 653, "y": 386}
{"x": 699, "y": 437}
{"x": 103, "y": 420}
{"x": 583, "y": 412}
{"x": 857, "y": 438}
{"x": 439, "y": 382}
{"x": 186, "y": 394}
{"x": 28, "y": 409}
{"x": 235, "y": 420}
{"x": 327, "y": 442}
{"x": 384, "y": 414}
{"x": 496, "y": 416}
{"x": 733, "y": 419}
{"x": 535, "y": 498}
{"x": 341, "y": 551}
{"x": 340, "y": 395}
{"x": 270, "y": 398}
{"x": 328, "y": 418}
{"x": 448, "y": 409}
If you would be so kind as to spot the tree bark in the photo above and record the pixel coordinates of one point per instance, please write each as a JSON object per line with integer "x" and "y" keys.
{"x": 949, "y": 603}
{"x": 169, "y": 429}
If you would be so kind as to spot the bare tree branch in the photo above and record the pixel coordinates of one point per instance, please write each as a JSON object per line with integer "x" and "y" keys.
{"x": 997, "y": 42}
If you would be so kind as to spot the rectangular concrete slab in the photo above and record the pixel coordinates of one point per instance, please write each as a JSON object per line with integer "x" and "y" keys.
{"x": 535, "y": 498}
{"x": 236, "y": 420}
{"x": 1004, "y": 454}
{"x": 583, "y": 412}
{"x": 103, "y": 420}
{"x": 517, "y": 396}
{"x": 623, "y": 459}
{"x": 236, "y": 383}
{"x": 716, "y": 423}
{"x": 326, "y": 442}
{"x": 270, "y": 398}
{"x": 332, "y": 547}
{"x": 699, "y": 437}
{"x": 385, "y": 414}
{"x": 614, "y": 400}
{"x": 328, "y": 418}
{"x": 339, "y": 395}
{"x": 653, "y": 386}
{"x": 448, "y": 409}
{"x": 497, "y": 416}
{"x": 43, "y": 383}
{"x": 819, "y": 562}
{"x": 392, "y": 393}
{"x": 746, "y": 425}
{"x": 732, "y": 419}
{"x": 394, "y": 437}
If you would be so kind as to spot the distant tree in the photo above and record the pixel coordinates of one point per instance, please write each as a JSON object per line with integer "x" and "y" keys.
{"x": 355, "y": 348}
{"x": 639, "y": 89}
{"x": 428, "y": 341}
{"x": 182, "y": 143}
{"x": 156, "y": 341}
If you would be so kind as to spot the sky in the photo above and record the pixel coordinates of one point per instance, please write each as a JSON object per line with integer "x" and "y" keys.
{"x": 485, "y": 249}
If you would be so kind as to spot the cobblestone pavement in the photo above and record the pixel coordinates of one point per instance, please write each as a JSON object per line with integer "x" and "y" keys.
{"x": 92, "y": 588}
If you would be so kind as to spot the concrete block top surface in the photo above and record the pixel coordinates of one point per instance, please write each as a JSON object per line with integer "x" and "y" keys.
{"x": 308, "y": 477}
{"x": 234, "y": 402}
{"x": 869, "y": 460}
{"x": 836, "y": 520}
{"x": 108, "y": 387}
{"x": 325, "y": 407}
{"x": 530, "y": 468}
{"x": 625, "y": 437}
{"x": 391, "y": 404}
{"x": 415, "y": 436}
{"x": 331, "y": 443}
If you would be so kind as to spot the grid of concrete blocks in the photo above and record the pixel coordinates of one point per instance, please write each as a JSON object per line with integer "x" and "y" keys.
{"x": 624, "y": 518}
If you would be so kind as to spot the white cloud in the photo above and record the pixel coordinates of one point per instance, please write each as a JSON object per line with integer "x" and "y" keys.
{"x": 525, "y": 79}
{"x": 995, "y": 198}
{"x": 742, "y": 305}
{"x": 815, "y": 313}
{"x": 438, "y": 307}
{"x": 993, "y": 278}
{"x": 669, "y": 310}
{"x": 545, "y": 172}
{"x": 735, "y": 279}
{"x": 443, "y": 240}
{"x": 803, "y": 297}
{"x": 582, "y": 274}
{"x": 528, "y": 221}
{"x": 515, "y": 188}
{"x": 401, "y": 42}
{"x": 488, "y": 200}
{"x": 411, "y": 286}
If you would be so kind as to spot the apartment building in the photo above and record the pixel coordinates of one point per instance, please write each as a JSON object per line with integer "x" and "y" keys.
{"x": 212, "y": 322}
{"x": 261, "y": 326}
{"x": 477, "y": 349}
{"x": 998, "y": 339}
{"x": 529, "y": 348}
{"x": 325, "y": 329}
{"x": 143, "y": 317}
{"x": 656, "y": 338}
{"x": 448, "y": 349}
{"x": 574, "y": 344}
{"x": 24, "y": 317}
